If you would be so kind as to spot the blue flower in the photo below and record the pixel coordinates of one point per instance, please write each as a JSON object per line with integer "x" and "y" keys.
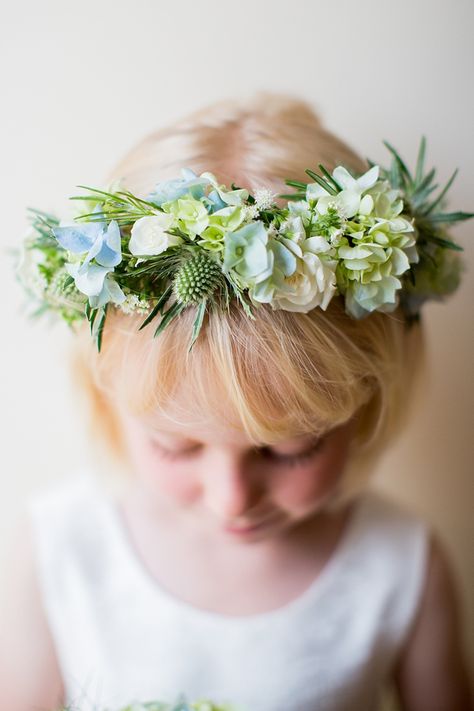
{"x": 96, "y": 282}
{"x": 95, "y": 239}
{"x": 174, "y": 189}
{"x": 99, "y": 242}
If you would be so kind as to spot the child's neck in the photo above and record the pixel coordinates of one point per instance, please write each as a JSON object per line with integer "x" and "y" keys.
{"x": 206, "y": 571}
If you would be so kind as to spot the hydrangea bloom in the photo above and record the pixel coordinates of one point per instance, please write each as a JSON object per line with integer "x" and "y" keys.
{"x": 227, "y": 219}
{"x": 170, "y": 190}
{"x": 373, "y": 256}
{"x": 245, "y": 251}
{"x": 191, "y": 215}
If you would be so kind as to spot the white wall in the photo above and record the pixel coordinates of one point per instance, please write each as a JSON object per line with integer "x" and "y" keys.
{"x": 81, "y": 82}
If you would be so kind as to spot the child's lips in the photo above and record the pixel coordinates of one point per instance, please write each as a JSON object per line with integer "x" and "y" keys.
{"x": 242, "y": 530}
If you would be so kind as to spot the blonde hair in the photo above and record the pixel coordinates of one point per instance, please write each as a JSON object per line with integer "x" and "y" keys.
{"x": 284, "y": 373}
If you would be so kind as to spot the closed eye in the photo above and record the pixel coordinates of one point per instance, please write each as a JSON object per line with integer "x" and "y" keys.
{"x": 267, "y": 452}
{"x": 174, "y": 454}
{"x": 295, "y": 459}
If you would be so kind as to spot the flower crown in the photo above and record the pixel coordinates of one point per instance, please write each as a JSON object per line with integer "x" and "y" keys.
{"x": 376, "y": 239}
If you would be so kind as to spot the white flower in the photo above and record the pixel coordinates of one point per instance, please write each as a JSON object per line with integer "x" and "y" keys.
{"x": 272, "y": 230}
{"x": 293, "y": 229}
{"x": 300, "y": 208}
{"x": 134, "y": 303}
{"x": 149, "y": 234}
{"x": 250, "y": 212}
{"x": 349, "y": 200}
{"x": 314, "y": 281}
{"x": 358, "y": 185}
{"x": 264, "y": 198}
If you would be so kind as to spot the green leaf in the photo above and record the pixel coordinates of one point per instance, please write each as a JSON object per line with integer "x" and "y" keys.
{"x": 329, "y": 177}
{"x": 139, "y": 201}
{"x": 198, "y": 322}
{"x": 296, "y": 184}
{"x": 93, "y": 315}
{"x": 441, "y": 195}
{"x": 425, "y": 182}
{"x": 241, "y": 298}
{"x": 404, "y": 170}
{"x": 95, "y": 190}
{"x": 451, "y": 217}
{"x": 446, "y": 243}
{"x": 293, "y": 196}
{"x": 168, "y": 316}
{"x": 420, "y": 161}
{"x": 420, "y": 199}
{"x": 100, "y": 329}
{"x": 317, "y": 178}
{"x": 158, "y": 307}
{"x": 396, "y": 177}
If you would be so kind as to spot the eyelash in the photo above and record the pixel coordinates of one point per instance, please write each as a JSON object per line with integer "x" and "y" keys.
{"x": 283, "y": 459}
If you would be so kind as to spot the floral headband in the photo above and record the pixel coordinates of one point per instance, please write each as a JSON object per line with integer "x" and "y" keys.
{"x": 378, "y": 240}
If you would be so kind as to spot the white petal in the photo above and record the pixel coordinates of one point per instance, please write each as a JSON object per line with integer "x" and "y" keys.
{"x": 314, "y": 191}
{"x": 369, "y": 179}
{"x": 344, "y": 178}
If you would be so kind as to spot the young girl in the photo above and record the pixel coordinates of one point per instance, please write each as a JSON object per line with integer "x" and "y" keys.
{"x": 243, "y": 559}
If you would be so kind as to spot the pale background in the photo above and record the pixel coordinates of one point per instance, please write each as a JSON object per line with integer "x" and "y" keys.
{"x": 82, "y": 82}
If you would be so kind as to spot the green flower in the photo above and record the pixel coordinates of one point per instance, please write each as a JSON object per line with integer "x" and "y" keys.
{"x": 191, "y": 214}
{"x": 369, "y": 267}
{"x": 228, "y": 219}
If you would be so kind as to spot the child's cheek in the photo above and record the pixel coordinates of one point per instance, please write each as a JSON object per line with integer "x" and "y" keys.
{"x": 309, "y": 485}
{"x": 174, "y": 482}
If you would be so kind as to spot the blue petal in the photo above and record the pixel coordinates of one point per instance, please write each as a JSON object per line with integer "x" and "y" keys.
{"x": 216, "y": 200}
{"x": 176, "y": 188}
{"x": 90, "y": 280}
{"x": 110, "y": 292}
{"x": 110, "y": 253}
{"x": 78, "y": 239}
{"x": 188, "y": 174}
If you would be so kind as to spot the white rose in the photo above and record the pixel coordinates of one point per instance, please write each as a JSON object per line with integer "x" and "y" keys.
{"x": 149, "y": 235}
{"x": 313, "y": 283}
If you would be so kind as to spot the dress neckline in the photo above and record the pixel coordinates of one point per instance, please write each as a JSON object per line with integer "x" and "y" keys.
{"x": 133, "y": 563}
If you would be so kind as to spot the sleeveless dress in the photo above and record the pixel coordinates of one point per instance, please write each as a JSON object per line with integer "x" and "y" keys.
{"x": 121, "y": 638}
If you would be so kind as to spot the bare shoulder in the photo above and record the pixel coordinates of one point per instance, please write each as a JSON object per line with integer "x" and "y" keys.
{"x": 30, "y": 677}
{"x": 431, "y": 673}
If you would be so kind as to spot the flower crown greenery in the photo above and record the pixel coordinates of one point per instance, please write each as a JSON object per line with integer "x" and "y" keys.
{"x": 181, "y": 704}
{"x": 376, "y": 239}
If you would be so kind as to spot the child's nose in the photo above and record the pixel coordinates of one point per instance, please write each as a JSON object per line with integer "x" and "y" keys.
{"x": 231, "y": 489}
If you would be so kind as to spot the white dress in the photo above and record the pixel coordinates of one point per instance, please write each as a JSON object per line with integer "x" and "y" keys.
{"x": 120, "y": 637}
